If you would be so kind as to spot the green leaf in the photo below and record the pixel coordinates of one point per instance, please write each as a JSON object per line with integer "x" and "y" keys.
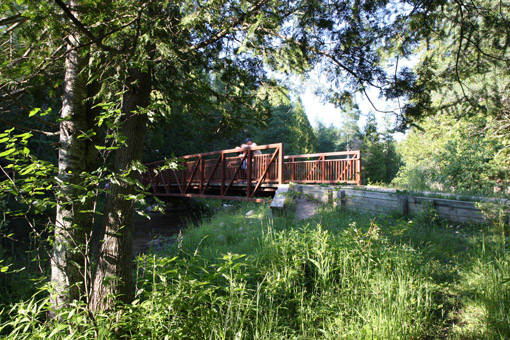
{"x": 24, "y": 136}
{"x": 57, "y": 329}
{"x": 34, "y": 112}
{"x": 46, "y": 112}
{"x": 143, "y": 213}
{"x": 7, "y": 152}
{"x": 28, "y": 169}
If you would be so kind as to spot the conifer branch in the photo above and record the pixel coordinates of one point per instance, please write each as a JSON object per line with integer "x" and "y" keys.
{"x": 227, "y": 30}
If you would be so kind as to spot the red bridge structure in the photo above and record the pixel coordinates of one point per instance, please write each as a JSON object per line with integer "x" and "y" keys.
{"x": 222, "y": 174}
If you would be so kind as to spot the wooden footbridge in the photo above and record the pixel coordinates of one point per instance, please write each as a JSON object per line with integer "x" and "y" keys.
{"x": 237, "y": 175}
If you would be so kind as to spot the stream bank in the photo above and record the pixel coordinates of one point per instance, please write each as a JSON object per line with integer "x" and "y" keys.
{"x": 156, "y": 231}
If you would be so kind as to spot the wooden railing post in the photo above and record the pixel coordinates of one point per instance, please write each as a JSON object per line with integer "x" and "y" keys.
{"x": 358, "y": 169}
{"x": 201, "y": 160}
{"x": 183, "y": 181}
{"x": 281, "y": 180}
{"x": 223, "y": 170}
{"x": 249, "y": 174}
{"x": 322, "y": 159}
{"x": 292, "y": 169}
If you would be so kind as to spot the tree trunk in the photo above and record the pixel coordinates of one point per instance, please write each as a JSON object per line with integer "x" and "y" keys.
{"x": 113, "y": 275}
{"x": 77, "y": 156}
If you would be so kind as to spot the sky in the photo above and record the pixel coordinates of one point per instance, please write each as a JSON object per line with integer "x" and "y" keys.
{"x": 319, "y": 111}
{"x": 326, "y": 113}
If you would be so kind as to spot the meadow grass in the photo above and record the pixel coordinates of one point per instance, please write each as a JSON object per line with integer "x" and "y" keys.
{"x": 339, "y": 275}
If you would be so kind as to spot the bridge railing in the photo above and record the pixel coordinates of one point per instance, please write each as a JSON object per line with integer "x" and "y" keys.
{"x": 329, "y": 167}
{"x": 217, "y": 173}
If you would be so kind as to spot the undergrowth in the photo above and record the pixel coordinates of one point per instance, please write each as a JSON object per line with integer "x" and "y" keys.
{"x": 340, "y": 275}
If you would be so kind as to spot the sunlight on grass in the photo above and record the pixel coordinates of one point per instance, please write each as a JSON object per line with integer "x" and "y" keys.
{"x": 242, "y": 274}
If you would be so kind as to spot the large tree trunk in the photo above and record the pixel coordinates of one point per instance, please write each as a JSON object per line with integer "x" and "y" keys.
{"x": 114, "y": 268}
{"x": 77, "y": 156}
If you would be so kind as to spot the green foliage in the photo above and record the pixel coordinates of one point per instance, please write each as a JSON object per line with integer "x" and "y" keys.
{"x": 380, "y": 160}
{"x": 288, "y": 124}
{"x": 25, "y": 176}
{"x": 30, "y": 189}
{"x": 209, "y": 129}
{"x": 428, "y": 216}
{"x": 302, "y": 139}
{"x": 463, "y": 75}
{"x": 70, "y": 322}
{"x": 465, "y": 62}
{"x": 450, "y": 155}
{"x": 207, "y": 115}
{"x": 4, "y": 266}
{"x": 327, "y": 138}
{"x": 346, "y": 137}
{"x": 340, "y": 274}
{"x": 20, "y": 266}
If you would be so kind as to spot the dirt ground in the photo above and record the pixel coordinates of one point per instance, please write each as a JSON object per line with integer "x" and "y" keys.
{"x": 306, "y": 208}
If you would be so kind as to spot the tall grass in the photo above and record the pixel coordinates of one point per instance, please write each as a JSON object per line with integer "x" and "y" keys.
{"x": 340, "y": 275}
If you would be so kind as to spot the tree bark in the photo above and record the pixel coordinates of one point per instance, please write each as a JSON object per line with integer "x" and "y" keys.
{"x": 77, "y": 156}
{"x": 113, "y": 274}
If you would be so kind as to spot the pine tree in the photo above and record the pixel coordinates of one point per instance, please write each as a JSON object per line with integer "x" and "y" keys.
{"x": 373, "y": 153}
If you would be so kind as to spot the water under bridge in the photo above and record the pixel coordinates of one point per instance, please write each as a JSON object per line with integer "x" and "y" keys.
{"x": 258, "y": 171}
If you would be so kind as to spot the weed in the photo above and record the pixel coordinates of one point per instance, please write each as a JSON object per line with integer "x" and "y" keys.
{"x": 339, "y": 275}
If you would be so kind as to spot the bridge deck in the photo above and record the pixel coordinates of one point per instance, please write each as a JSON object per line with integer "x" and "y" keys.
{"x": 227, "y": 174}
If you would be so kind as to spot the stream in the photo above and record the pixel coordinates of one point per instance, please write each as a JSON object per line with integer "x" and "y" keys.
{"x": 160, "y": 226}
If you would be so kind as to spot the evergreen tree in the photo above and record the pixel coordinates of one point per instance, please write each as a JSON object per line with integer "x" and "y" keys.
{"x": 346, "y": 137}
{"x": 289, "y": 124}
{"x": 373, "y": 154}
{"x": 351, "y": 136}
{"x": 393, "y": 160}
{"x": 380, "y": 159}
{"x": 303, "y": 139}
{"x": 328, "y": 138}
{"x": 464, "y": 76}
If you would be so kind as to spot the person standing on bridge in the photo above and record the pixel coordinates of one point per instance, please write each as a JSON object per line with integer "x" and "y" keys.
{"x": 243, "y": 150}
{"x": 242, "y": 157}
{"x": 250, "y": 144}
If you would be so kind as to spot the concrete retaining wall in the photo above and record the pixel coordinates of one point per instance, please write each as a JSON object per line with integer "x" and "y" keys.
{"x": 384, "y": 202}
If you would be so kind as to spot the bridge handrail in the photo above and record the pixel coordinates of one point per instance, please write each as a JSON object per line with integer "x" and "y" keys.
{"x": 322, "y": 160}
{"x": 326, "y": 154}
{"x": 219, "y": 152}
{"x": 213, "y": 153}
